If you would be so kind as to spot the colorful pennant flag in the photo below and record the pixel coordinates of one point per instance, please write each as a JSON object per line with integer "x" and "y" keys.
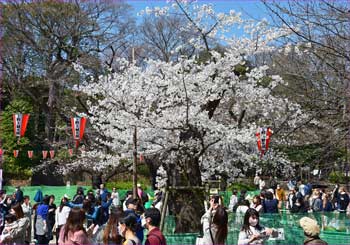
{"x": 20, "y": 122}
{"x": 15, "y": 153}
{"x": 44, "y": 154}
{"x": 141, "y": 158}
{"x": 52, "y": 154}
{"x": 70, "y": 151}
{"x": 30, "y": 154}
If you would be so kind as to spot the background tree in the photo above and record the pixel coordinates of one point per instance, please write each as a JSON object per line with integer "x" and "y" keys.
{"x": 162, "y": 37}
{"x": 41, "y": 40}
{"x": 199, "y": 117}
{"x": 315, "y": 62}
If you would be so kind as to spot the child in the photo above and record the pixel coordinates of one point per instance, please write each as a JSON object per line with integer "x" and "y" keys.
{"x": 10, "y": 225}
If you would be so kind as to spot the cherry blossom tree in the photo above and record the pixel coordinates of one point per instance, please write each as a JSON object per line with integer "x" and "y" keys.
{"x": 200, "y": 118}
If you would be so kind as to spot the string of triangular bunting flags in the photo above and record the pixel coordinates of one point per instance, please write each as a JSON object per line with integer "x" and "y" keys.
{"x": 30, "y": 153}
{"x": 20, "y": 122}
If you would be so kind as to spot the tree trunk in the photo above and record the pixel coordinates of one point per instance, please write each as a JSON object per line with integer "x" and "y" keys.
{"x": 186, "y": 197}
{"x": 51, "y": 114}
{"x": 96, "y": 180}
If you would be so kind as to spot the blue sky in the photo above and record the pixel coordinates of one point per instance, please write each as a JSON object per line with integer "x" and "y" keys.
{"x": 248, "y": 8}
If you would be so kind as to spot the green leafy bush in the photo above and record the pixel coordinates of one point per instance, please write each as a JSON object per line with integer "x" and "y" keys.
{"x": 127, "y": 184}
{"x": 241, "y": 186}
{"x": 338, "y": 177}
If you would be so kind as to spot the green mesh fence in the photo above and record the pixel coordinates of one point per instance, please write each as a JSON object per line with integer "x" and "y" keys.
{"x": 335, "y": 227}
{"x": 59, "y": 191}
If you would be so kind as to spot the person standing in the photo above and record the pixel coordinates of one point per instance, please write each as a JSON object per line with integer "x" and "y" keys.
{"x": 27, "y": 211}
{"x": 257, "y": 180}
{"x": 10, "y": 224}
{"x": 270, "y": 204}
{"x": 315, "y": 201}
{"x": 150, "y": 221}
{"x": 61, "y": 216}
{"x": 115, "y": 197}
{"x": 51, "y": 216}
{"x": 311, "y": 231}
{"x": 103, "y": 193}
{"x": 132, "y": 208}
{"x": 335, "y": 194}
{"x": 280, "y": 196}
{"x": 108, "y": 233}
{"x": 18, "y": 195}
{"x": 252, "y": 232}
{"x": 127, "y": 229}
{"x": 18, "y": 234}
{"x": 233, "y": 201}
{"x": 343, "y": 200}
{"x": 128, "y": 196}
{"x": 291, "y": 199}
{"x": 215, "y": 223}
{"x": 41, "y": 221}
{"x": 256, "y": 204}
{"x": 261, "y": 184}
{"x": 79, "y": 197}
{"x": 73, "y": 231}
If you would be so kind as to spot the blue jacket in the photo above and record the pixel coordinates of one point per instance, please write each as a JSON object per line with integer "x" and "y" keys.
{"x": 19, "y": 196}
{"x": 270, "y": 206}
{"x": 104, "y": 195}
{"x": 43, "y": 210}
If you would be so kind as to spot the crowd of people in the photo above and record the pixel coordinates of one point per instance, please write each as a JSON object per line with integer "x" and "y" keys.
{"x": 100, "y": 217}
{"x": 301, "y": 198}
{"x": 297, "y": 198}
{"x": 95, "y": 217}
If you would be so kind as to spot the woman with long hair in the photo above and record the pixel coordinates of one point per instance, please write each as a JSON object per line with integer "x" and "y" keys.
{"x": 18, "y": 234}
{"x": 252, "y": 232}
{"x": 215, "y": 223}
{"x": 108, "y": 233}
{"x": 127, "y": 229}
{"x": 256, "y": 204}
{"x": 220, "y": 224}
{"x": 62, "y": 214}
{"x": 73, "y": 231}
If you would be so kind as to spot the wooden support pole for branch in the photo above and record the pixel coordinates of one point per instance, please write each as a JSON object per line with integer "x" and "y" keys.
{"x": 134, "y": 166}
{"x": 164, "y": 210}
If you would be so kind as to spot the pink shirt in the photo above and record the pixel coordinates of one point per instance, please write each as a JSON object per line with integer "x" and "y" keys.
{"x": 78, "y": 237}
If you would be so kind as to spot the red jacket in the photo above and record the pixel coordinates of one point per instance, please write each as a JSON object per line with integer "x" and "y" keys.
{"x": 155, "y": 237}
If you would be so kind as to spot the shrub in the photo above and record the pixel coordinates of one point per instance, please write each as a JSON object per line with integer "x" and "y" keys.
{"x": 338, "y": 177}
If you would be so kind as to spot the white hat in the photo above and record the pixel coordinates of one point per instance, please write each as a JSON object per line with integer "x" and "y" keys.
{"x": 66, "y": 196}
{"x": 310, "y": 226}
{"x": 138, "y": 185}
